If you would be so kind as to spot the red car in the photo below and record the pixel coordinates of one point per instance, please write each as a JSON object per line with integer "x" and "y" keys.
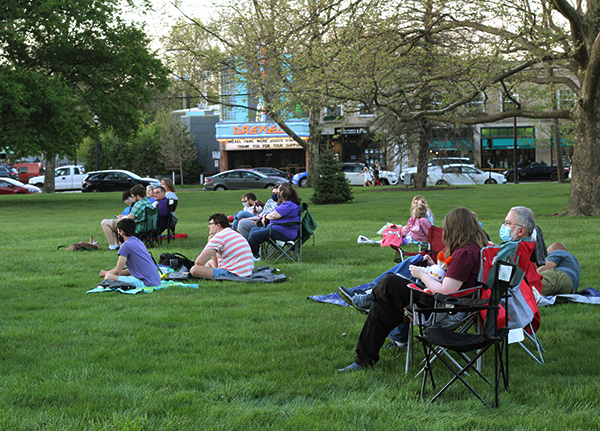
{"x": 8, "y": 186}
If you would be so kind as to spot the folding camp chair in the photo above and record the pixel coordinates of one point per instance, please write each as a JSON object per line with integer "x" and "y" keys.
{"x": 292, "y": 249}
{"x": 171, "y": 219}
{"x": 459, "y": 322}
{"x": 436, "y": 336}
{"x": 523, "y": 313}
{"x": 432, "y": 247}
{"x": 149, "y": 232}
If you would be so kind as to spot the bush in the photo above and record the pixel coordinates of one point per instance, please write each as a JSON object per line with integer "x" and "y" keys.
{"x": 331, "y": 186}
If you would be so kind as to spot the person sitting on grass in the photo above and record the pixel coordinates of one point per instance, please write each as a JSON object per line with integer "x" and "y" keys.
{"x": 141, "y": 270}
{"x": 227, "y": 252}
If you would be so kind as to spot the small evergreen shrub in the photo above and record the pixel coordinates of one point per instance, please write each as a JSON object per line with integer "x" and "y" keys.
{"x": 331, "y": 186}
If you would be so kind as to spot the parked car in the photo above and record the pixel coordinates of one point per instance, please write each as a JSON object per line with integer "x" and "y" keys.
{"x": 241, "y": 179}
{"x": 459, "y": 174}
{"x": 438, "y": 161}
{"x": 352, "y": 171}
{"x": 8, "y": 172}
{"x": 65, "y": 178}
{"x": 28, "y": 170}
{"x": 272, "y": 172}
{"x": 8, "y": 186}
{"x": 114, "y": 181}
{"x": 535, "y": 172}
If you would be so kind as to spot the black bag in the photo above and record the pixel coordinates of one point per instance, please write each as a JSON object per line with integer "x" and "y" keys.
{"x": 172, "y": 222}
{"x": 175, "y": 261}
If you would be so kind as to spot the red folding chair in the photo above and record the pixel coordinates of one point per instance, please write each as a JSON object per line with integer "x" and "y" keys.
{"x": 432, "y": 247}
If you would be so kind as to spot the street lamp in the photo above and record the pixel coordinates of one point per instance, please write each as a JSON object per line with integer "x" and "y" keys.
{"x": 97, "y": 145}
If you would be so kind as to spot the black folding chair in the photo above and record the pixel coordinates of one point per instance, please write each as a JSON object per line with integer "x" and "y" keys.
{"x": 491, "y": 335}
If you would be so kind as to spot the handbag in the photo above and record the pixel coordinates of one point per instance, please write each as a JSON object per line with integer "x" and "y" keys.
{"x": 175, "y": 261}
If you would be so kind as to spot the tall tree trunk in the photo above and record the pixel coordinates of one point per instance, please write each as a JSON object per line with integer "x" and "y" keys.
{"x": 49, "y": 179}
{"x": 312, "y": 147}
{"x": 423, "y": 158}
{"x": 584, "y": 199}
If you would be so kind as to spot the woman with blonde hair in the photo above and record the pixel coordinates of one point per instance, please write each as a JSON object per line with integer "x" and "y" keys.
{"x": 169, "y": 188}
{"x": 421, "y": 199}
{"x": 464, "y": 239}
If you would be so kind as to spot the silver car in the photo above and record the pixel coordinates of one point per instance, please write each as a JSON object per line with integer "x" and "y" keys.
{"x": 241, "y": 179}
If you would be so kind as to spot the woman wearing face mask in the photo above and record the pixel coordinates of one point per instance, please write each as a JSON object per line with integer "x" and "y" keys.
{"x": 464, "y": 239}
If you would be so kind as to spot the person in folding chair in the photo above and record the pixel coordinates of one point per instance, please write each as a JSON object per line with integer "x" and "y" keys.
{"x": 464, "y": 239}
{"x": 287, "y": 211}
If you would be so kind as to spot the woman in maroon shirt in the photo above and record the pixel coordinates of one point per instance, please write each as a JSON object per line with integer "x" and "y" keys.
{"x": 464, "y": 239}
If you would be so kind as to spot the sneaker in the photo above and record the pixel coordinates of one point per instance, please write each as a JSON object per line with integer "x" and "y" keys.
{"x": 396, "y": 345}
{"x": 346, "y": 295}
{"x": 352, "y": 367}
{"x": 113, "y": 247}
{"x": 362, "y": 302}
{"x": 256, "y": 259}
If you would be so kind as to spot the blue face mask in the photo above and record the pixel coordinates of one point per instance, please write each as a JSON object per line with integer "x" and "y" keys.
{"x": 505, "y": 233}
{"x": 275, "y": 196}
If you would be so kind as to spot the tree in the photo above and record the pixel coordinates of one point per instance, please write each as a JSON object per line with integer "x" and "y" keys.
{"x": 176, "y": 143}
{"x": 64, "y": 61}
{"x": 331, "y": 186}
{"x": 275, "y": 49}
{"x": 486, "y": 47}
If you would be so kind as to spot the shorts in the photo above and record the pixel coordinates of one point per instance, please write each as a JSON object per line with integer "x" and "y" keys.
{"x": 220, "y": 272}
{"x": 131, "y": 279}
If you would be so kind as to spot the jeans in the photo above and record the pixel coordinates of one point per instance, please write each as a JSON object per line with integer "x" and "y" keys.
{"x": 238, "y": 216}
{"x": 258, "y": 235}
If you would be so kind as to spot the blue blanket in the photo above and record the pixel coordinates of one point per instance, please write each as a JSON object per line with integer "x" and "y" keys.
{"x": 401, "y": 268}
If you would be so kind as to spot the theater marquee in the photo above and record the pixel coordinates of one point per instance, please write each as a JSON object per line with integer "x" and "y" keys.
{"x": 282, "y": 143}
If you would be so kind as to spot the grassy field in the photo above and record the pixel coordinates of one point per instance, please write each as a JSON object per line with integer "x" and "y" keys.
{"x": 234, "y": 356}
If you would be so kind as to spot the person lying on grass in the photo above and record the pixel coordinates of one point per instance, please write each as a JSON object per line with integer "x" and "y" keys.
{"x": 227, "y": 252}
{"x": 141, "y": 270}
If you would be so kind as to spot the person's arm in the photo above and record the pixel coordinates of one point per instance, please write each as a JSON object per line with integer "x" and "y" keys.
{"x": 273, "y": 215}
{"x": 114, "y": 273}
{"x": 447, "y": 285}
{"x": 205, "y": 256}
{"x": 548, "y": 265}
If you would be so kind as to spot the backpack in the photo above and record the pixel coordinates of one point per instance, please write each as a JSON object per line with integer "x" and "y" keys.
{"x": 175, "y": 261}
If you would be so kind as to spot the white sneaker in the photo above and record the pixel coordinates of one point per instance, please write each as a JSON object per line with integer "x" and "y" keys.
{"x": 256, "y": 259}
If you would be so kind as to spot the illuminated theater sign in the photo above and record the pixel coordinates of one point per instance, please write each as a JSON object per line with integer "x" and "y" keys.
{"x": 259, "y": 136}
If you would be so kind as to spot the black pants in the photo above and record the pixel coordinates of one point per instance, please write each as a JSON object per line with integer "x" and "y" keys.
{"x": 390, "y": 296}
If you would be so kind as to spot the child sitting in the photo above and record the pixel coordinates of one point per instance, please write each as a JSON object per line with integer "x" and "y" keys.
{"x": 417, "y": 228}
{"x": 421, "y": 199}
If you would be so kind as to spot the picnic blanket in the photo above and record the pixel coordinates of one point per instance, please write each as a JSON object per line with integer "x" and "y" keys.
{"x": 585, "y": 296}
{"x": 263, "y": 274}
{"x": 121, "y": 287}
{"x": 400, "y": 269}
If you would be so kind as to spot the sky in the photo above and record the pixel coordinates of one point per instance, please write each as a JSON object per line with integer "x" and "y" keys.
{"x": 165, "y": 15}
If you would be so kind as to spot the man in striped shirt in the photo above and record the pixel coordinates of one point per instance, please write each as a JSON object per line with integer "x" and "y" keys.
{"x": 227, "y": 252}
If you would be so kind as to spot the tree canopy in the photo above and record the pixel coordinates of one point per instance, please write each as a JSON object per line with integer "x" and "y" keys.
{"x": 63, "y": 62}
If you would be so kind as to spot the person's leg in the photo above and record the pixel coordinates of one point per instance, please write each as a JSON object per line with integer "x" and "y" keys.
{"x": 239, "y": 216}
{"x": 109, "y": 227}
{"x": 556, "y": 282}
{"x": 202, "y": 271}
{"x": 390, "y": 296}
{"x": 258, "y": 235}
{"x": 244, "y": 227}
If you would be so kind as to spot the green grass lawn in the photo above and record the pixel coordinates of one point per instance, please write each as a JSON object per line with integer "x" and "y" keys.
{"x": 235, "y": 356}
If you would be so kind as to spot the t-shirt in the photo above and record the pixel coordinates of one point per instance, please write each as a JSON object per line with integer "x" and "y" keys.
{"x": 464, "y": 265}
{"x": 127, "y": 210}
{"x": 163, "y": 210}
{"x": 139, "y": 212}
{"x": 568, "y": 264}
{"x": 139, "y": 263}
{"x": 233, "y": 252}
{"x": 289, "y": 212}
